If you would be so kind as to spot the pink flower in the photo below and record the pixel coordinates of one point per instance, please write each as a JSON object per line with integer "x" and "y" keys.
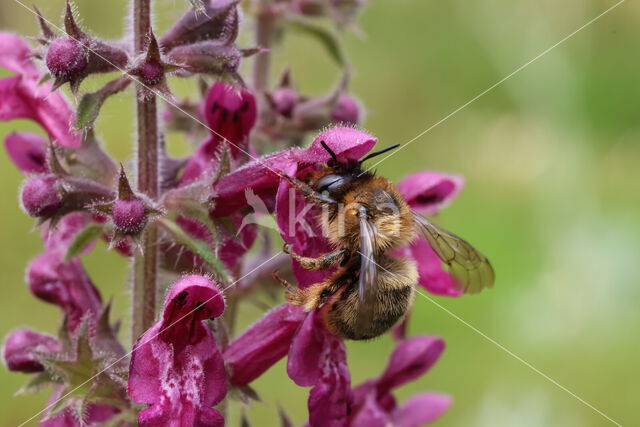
{"x": 230, "y": 114}
{"x": 22, "y": 98}
{"x": 373, "y": 403}
{"x": 27, "y": 151}
{"x": 21, "y": 349}
{"x": 262, "y": 177}
{"x": 427, "y": 192}
{"x": 262, "y": 344}
{"x": 176, "y": 366}
{"x": 318, "y": 359}
{"x": 59, "y": 239}
{"x": 96, "y": 414}
{"x": 65, "y": 284}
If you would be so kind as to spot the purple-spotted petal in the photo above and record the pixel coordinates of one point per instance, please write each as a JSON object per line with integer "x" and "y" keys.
{"x": 420, "y": 410}
{"x": 176, "y": 366}
{"x": 410, "y": 359}
{"x": 27, "y": 151}
{"x": 22, "y": 347}
{"x": 427, "y": 192}
{"x": 262, "y": 344}
{"x": 231, "y": 114}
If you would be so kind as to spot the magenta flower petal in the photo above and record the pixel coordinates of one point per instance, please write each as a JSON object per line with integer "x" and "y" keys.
{"x": 431, "y": 273}
{"x": 371, "y": 414}
{"x": 319, "y": 359}
{"x": 298, "y": 226}
{"x": 410, "y": 359}
{"x": 65, "y": 284}
{"x": 22, "y": 98}
{"x": 427, "y": 192}
{"x": 22, "y": 347}
{"x": 96, "y": 414}
{"x": 15, "y": 55}
{"x": 420, "y": 409}
{"x": 176, "y": 366}
{"x": 64, "y": 233}
{"x": 27, "y": 151}
{"x": 261, "y": 175}
{"x": 231, "y": 113}
{"x": 306, "y": 353}
{"x": 262, "y": 344}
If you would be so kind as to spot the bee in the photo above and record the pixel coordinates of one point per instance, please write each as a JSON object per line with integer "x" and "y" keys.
{"x": 365, "y": 218}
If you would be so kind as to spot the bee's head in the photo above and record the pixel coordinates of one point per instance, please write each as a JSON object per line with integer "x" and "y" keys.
{"x": 343, "y": 173}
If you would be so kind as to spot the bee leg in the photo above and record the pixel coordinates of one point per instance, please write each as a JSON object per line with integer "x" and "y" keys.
{"x": 320, "y": 263}
{"x": 283, "y": 282}
{"x": 309, "y": 192}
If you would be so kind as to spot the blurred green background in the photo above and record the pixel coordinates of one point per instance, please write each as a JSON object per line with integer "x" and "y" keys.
{"x": 551, "y": 158}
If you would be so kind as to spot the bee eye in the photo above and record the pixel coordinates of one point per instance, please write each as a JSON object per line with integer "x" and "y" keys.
{"x": 331, "y": 183}
{"x": 325, "y": 293}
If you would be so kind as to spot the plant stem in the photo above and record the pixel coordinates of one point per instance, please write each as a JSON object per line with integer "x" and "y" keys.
{"x": 145, "y": 275}
{"x": 265, "y": 27}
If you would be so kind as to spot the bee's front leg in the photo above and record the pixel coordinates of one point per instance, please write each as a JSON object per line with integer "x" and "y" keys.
{"x": 320, "y": 263}
{"x": 309, "y": 192}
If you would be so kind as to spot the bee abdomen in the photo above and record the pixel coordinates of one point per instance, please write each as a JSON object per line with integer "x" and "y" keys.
{"x": 391, "y": 306}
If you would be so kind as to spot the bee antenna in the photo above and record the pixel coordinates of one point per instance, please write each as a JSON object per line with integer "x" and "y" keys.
{"x": 377, "y": 153}
{"x": 330, "y": 151}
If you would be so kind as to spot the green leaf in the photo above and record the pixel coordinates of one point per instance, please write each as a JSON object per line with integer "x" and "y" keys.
{"x": 198, "y": 247}
{"x": 37, "y": 383}
{"x": 326, "y": 37}
{"x": 90, "y": 104}
{"x": 82, "y": 239}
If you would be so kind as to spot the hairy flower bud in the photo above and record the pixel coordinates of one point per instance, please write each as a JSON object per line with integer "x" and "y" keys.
{"x": 21, "y": 348}
{"x": 66, "y": 58}
{"x": 41, "y": 196}
{"x": 346, "y": 111}
{"x": 151, "y": 73}
{"x": 129, "y": 216}
{"x": 283, "y": 100}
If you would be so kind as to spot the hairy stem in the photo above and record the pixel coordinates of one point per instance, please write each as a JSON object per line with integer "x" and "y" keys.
{"x": 145, "y": 275}
{"x": 265, "y": 27}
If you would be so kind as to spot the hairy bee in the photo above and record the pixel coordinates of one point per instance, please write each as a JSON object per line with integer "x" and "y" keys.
{"x": 366, "y": 218}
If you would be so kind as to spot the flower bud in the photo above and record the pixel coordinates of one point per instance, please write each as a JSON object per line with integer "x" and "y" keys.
{"x": 129, "y": 216}
{"x": 151, "y": 73}
{"x": 66, "y": 58}
{"x": 41, "y": 196}
{"x": 21, "y": 348}
{"x": 284, "y": 99}
{"x": 346, "y": 111}
{"x": 65, "y": 284}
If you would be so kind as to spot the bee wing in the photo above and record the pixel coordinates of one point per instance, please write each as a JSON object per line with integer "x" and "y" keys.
{"x": 368, "y": 272}
{"x": 472, "y": 269}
